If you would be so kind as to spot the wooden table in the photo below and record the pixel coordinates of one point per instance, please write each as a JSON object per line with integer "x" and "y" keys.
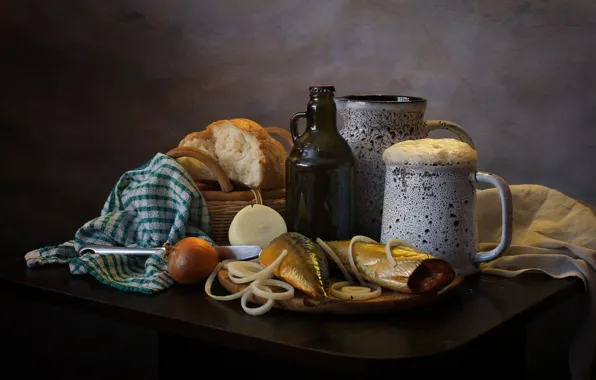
{"x": 483, "y": 325}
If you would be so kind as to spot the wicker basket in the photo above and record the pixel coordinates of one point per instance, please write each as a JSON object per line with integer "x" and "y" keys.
{"x": 225, "y": 198}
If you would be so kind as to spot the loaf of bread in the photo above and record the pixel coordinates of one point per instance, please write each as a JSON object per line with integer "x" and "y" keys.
{"x": 243, "y": 148}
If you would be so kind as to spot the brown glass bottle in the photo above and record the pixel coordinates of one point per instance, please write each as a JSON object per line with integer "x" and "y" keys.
{"x": 320, "y": 173}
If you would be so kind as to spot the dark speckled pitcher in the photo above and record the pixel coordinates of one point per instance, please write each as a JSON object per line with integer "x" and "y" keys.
{"x": 372, "y": 123}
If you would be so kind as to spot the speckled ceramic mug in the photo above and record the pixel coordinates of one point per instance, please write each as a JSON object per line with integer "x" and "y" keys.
{"x": 430, "y": 202}
{"x": 371, "y": 124}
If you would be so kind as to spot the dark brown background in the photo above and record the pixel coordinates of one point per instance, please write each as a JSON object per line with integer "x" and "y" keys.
{"x": 90, "y": 89}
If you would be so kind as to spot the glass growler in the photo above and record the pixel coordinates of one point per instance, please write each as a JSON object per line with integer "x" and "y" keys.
{"x": 320, "y": 173}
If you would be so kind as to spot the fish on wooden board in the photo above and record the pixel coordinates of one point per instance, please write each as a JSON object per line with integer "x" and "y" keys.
{"x": 305, "y": 267}
{"x": 414, "y": 271}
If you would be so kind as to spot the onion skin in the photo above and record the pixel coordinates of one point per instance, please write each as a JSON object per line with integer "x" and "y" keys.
{"x": 191, "y": 260}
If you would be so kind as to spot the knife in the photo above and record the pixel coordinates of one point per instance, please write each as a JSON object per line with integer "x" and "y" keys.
{"x": 236, "y": 252}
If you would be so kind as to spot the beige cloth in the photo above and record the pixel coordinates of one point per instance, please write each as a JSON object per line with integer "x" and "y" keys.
{"x": 553, "y": 234}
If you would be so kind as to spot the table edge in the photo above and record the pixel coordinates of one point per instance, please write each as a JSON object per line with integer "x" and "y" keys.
{"x": 207, "y": 334}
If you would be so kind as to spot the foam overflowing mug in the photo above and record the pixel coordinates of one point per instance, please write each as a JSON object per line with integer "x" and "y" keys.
{"x": 430, "y": 201}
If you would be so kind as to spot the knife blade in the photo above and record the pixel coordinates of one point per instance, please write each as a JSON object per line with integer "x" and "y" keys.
{"x": 236, "y": 252}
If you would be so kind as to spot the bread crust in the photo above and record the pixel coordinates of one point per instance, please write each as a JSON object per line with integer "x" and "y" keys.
{"x": 272, "y": 164}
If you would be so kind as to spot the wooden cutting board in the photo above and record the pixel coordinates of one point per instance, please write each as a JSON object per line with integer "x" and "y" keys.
{"x": 387, "y": 301}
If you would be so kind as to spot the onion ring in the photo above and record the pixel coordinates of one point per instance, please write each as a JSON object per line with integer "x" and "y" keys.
{"x": 255, "y": 310}
{"x": 364, "y": 293}
{"x": 240, "y": 280}
{"x": 209, "y": 283}
{"x": 226, "y": 262}
{"x": 351, "y": 257}
{"x": 355, "y": 289}
{"x": 258, "y": 286}
{"x": 242, "y": 269}
{"x": 336, "y": 259}
{"x": 390, "y": 243}
{"x": 265, "y": 273}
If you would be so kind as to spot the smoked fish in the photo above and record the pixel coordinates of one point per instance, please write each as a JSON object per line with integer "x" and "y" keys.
{"x": 305, "y": 267}
{"x": 414, "y": 270}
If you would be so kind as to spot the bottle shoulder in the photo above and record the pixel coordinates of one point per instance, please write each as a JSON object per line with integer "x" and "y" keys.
{"x": 309, "y": 157}
{"x": 324, "y": 142}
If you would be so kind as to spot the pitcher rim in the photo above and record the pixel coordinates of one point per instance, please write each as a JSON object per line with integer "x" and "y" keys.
{"x": 382, "y": 98}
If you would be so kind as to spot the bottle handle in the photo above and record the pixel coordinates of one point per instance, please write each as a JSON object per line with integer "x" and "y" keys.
{"x": 294, "y": 125}
{"x": 506, "y": 211}
{"x": 282, "y": 134}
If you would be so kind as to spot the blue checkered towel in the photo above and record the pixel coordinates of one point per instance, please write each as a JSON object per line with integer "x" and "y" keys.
{"x": 153, "y": 204}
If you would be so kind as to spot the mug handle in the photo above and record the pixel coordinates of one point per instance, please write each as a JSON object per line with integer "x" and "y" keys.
{"x": 506, "y": 211}
{"x": 294, "y": 125}
{"x": 458, "y": 130}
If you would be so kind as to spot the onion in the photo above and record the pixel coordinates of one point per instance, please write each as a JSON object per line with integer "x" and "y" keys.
{"x": 226, "y": 262}
{"x": 255, "y": 310}
{"x": 258, "y": 286}
{"x": 388, "y": 246}
{"x": 191, "y": 260}
{"x": 336, "y": 259}
{"x": 262, "y": 275}
{"x": 355, "y": 293}
{"x": 355, "y": 289}
{"x": 260, "y": 289}
{"x": 351, "y": 257}
{"x": 243, "y": 268}
{"x": 209, "y": 283}
{"x": 265, "y": 273}
{"x": 241, "y": 272}
{"x": 390, "y": 243}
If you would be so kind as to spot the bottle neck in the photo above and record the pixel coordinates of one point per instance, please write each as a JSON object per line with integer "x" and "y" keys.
{"x": 321, "y": 113}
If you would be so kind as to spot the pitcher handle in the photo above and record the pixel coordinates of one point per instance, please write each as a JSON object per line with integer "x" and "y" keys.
{"x": 506, "y": 211}
{"x": 458, "y": 130}
{"x": 294, "y": 125}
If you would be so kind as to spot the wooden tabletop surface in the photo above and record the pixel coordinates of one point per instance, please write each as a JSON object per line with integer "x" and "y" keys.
{"x": 485, "y": 303}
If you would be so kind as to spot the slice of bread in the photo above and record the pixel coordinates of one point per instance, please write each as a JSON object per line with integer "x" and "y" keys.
{"x": 244, "y": 150}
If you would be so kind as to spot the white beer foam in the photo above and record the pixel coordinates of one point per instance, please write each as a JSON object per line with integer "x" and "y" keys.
{"x": 431, "y": 152}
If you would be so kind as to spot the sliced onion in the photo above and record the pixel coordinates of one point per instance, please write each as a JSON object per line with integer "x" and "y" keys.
{"x": 226, "y": 262}
{"x": 265, "y": 273}
{"x": 355, "y": 289}
{"x": 239, "y": 270}
{"x": 255, "y": 310}
{"x": 243, "y": 268}
{"x": 209, "y": 283}
{"x": 351, "y": 257}
{"x": 390, "y": 243}
{"x": 260, "y": 289}
{"x": 336, "y": 259}
{"x": 342, "y": 290}
{"x": 258, "y": 286}
{"x": 240, "y": 280}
